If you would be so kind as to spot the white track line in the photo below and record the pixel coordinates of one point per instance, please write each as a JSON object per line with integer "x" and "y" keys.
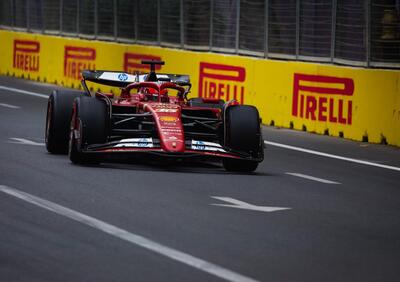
{"x": 9, "y": 106}
{"x": 266, "y": 142}
{"x": 24, "y": 92}
{"x": 312, "y": 178}
{"x": 138, "y": 240}
{"x": 331, "y": 156}
{"x": 24, "y": 141}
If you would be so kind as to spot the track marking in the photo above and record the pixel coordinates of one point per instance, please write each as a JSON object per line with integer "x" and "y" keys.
{"x": 331, "y": 156}
{"x": 245, "y": 206}
{"x": 23, "y": 92}
{"x": 9, "y": 106}
{"x": 312, "y": 178}
{"x": 25, "y": 142}
{"x": 266, "y": 142}
{"x": 135, "y": 239}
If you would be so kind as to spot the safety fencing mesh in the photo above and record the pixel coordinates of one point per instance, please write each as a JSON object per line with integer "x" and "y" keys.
{"x": 352, "y": 32}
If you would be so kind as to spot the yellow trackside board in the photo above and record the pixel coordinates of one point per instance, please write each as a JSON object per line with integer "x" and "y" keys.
{"x": 355, "y": 103}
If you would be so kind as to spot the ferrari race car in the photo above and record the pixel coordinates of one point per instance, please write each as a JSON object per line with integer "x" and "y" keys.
{"x": 149, "y": 120}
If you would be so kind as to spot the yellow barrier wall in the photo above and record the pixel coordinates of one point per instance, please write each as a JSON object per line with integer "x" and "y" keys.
{"x": 351, "y": 102}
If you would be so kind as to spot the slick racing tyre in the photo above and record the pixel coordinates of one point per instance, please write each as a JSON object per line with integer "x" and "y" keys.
{"x": 88, "y": 126}
{"x": 242, "y": 133}
{"x": 59, "y": 109}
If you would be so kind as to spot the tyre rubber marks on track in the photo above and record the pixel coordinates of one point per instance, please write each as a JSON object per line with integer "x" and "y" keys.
{"x": 132, "y": 238}
{"x": 24, "y": 141}
{"x": 237, "y": 204}
{"x": 9, "y": 106}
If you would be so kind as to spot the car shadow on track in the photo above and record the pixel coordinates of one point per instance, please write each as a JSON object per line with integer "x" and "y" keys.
{"x": 184, "y": 166}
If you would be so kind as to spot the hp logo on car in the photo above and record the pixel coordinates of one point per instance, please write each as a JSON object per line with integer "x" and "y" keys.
{"x": 123, "y": 77}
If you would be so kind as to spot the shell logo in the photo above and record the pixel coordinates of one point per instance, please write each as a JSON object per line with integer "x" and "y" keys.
{"x": 168, "y": 118}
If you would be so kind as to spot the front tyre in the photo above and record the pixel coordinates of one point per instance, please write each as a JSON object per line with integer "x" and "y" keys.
{"x": 242, "y": 133}
{"x": 88, "y": 126}
{"x": 59, "y": 109}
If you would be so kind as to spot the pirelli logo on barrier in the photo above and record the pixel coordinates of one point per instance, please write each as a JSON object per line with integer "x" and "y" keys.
{"x": 26, "y": 55}
{"x": 77, "y": 59}
{"x": 323, "y": 98}
{"x": 133, "y": 62}
{"x": 222, "y": 82}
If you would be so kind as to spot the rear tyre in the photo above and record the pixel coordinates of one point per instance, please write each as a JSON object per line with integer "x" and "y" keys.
{"x": 242, "y": 133}
{"x": 59, "y": 109}
{"x": 88, "y": 126}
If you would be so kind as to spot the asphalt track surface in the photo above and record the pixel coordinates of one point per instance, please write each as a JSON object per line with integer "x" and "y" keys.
{"x": 157, "y": 222}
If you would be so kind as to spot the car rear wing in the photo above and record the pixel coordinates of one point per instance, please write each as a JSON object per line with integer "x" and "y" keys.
{"x": 122, "y": 79}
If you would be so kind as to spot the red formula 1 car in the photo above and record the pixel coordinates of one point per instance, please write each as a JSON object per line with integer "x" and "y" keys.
{"x": 151, "y": 121}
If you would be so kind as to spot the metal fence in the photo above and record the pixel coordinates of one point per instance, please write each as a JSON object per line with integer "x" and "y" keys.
{"x": 351, "y": 32}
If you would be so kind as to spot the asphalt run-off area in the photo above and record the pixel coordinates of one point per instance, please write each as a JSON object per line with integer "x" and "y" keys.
{"x": 318, "y": 208}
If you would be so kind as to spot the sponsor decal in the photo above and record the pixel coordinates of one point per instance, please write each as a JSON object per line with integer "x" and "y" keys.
{"x": 206, "y": 146}
{"x": 133, "y": 62}
{"x": 171, "y": 129}
{"x": 323, "y": 98}
{"x": 77, "y": 59}
{"x": 222, "y": 82}
{"x": 136, "y": 142}
{"x": 168, "y": 118}
{"x": 115, "y": 76}
{"x": 166, "y": 110}
{"x": 26, "y": 55}
{"x": 169, "y": 124}
{"x": 123, "y": 77}
{"x": 198, "y": 145}
{"x": 163, "y": 105}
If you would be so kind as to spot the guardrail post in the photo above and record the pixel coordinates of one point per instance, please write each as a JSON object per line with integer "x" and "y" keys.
{"x": 96, "y": 18}
{"x": 12, "y": 13}
{"x": 333, "y": 29}
{"x": 368, "y": 32}
{"x": 211, "y": 23}
{"x": 237, "y": 26}
{"x": 158, "y": 22}
{"x": 266, "y": 28}
{"x": 182, "y": 26}
{"x": 115, "y": 7}
{"x": 78, "y": 11}
{"x": 27, "y": 8}
{"x": 136, "y": 6}
{"x": 43, "y": 16}
{"x": 297, "y": 29}
{"x": 61, "y": 16}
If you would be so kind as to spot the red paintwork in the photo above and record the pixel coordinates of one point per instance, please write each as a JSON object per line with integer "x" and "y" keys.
{"x": 158, "y": 150}
{"x": 166, "y": 111}
{"x": 169, "y": 124}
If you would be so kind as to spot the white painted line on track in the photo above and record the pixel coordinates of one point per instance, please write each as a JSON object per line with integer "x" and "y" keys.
{"x": 24, "y": 141}
{"x": 237, "y": 204}
{"x": 312, "y": 178}
{"x": 331, "y": 156}
{"x": 9, "y": 106}
{"x": 266, "y": 142}
{"x": 23, "y": 92}
{"x": 135, "y": 239}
